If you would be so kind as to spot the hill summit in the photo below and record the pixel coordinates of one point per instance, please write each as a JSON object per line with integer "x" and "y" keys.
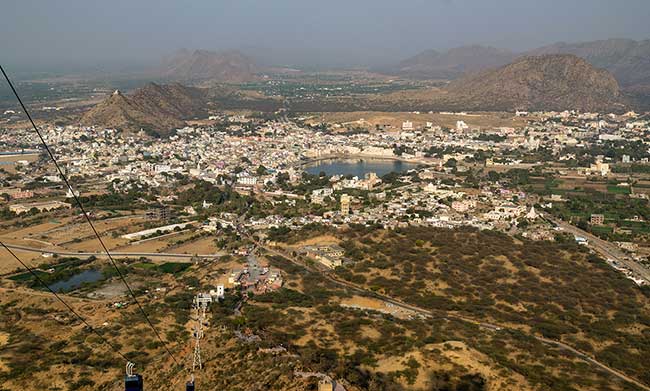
{"x": 157, "y": 109}
{"x": 229, "y": 66}
{"x": 628, "y": 60}
{"x": 548, "y": 82}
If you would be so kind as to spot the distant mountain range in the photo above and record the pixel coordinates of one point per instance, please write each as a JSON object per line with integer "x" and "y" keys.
{"x": 627, "y": 60}
{"x": 157, "y": 109}
{"x": 548, "y": 82}
{"x": 228, "y": 66}
{"x": 453, "y": 63}
{"x": 484, "y": 79}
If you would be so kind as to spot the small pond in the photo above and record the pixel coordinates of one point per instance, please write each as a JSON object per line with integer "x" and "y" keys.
{"x": 358, "y": 167}
{"x": 74, "y": 282}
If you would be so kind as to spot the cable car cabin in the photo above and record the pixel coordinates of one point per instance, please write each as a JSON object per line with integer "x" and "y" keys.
{"x": 133, "y": 383}
{"x": 189, "y": 386}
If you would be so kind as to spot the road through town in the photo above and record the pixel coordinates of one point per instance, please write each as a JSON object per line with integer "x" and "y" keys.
{"x": 604, "y": 248}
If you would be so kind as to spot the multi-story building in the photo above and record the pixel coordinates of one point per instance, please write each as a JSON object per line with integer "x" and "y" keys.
{"x": 345, "y": 204}
{"x": 18, "y": 194}
{"x": 597, "y": 219}
{"x": 158, "y": 213}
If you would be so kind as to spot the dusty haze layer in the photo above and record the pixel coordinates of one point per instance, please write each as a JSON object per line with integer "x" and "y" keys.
{"x": 101, "y": 35}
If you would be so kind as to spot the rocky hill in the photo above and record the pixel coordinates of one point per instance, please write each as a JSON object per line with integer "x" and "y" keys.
{"x": 627, "y": 59}
{"x": 453, "y": 63}
{"x": 225, "y": 66}
{"x": 549, "y": 82}
{"x": 157, "y": 109}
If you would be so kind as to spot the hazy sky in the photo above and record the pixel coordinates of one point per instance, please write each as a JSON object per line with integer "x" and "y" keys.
{"x": 331, "y": 32}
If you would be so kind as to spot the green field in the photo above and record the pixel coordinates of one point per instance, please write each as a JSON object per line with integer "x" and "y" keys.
{"x": 618, "y": 189}
{"x": 636, "y": 226}
{"x": 174, "y": 267}
{"x": 27, "y": 276}
{"x": 601, "y": 229}
{"x": 167, "y": 267}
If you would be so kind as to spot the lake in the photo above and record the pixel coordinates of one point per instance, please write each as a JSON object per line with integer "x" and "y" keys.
{"x": 77, "y": 280}
{"x": 358, "y": 167}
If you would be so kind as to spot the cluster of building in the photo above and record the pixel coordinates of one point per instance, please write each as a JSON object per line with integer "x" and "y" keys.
{"x": 329, "y": 255}
{"x": 268, "y": 158}
{"x": 255, "y": 278}
{"x": 281, "y": 147}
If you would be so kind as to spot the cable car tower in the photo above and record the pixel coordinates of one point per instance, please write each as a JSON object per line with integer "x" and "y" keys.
{"x": 201, "y": 302}
{"x": 198, "y": 334}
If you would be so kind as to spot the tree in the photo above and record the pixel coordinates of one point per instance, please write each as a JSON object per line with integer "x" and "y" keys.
{"x": 493, "y": 176}
{"x": 451, "y": 163}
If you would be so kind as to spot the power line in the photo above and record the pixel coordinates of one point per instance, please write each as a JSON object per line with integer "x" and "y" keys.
{"x": 83, "y": 210}
{"x": 36, "y": 276}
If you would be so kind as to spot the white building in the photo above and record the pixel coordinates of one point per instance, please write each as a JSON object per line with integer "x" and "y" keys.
{"x": 247, "y": 180}
{"x": 407, "y": 125}
{"x": 600, "y": 168}
{"x": 463, "y": 206}
{"x": 219, "y": 293}
{"x": 532, "y": 214}
{"x": 461, "y": 126}
{"x": 71, "y": 194}
{"x": 318, "y": 195}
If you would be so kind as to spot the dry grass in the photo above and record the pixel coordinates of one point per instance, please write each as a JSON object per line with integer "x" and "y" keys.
{"x": 8, "y": 264}
{"x": 451, "y": 355}
{"x": 201, "y": 246}
{"x": 322, "y": 240}
{"x": 11, "y": 168}
{"x": 57, "y": 325}
{"x": 32, "y": 231}
{"x": 150, "y": 246}
{"x": 4, "y": 339}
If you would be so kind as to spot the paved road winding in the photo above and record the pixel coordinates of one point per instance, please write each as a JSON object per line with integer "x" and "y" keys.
{"x": 115, "y": 254}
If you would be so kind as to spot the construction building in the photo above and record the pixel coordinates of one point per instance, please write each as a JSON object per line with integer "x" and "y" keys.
{"x": 158, "y": 213}
{"x": 597, "y": 219}
{"x": 345, "y": 204}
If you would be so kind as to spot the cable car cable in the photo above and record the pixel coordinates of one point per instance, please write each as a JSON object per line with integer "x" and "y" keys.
{"x": 92, "y": 226}
{"x": 75, "y": 313}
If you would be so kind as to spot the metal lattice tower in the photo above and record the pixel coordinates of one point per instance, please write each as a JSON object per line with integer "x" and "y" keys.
{"x": 197, "y": 364}
{"x": 200, "y": 307}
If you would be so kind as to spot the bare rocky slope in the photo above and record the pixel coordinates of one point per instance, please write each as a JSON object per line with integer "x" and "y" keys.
{"x": 157, "y": 109}
{"x": 627, "y": 59}
{"x": 549, "y": 82}
{"x": 229, "y": 66}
